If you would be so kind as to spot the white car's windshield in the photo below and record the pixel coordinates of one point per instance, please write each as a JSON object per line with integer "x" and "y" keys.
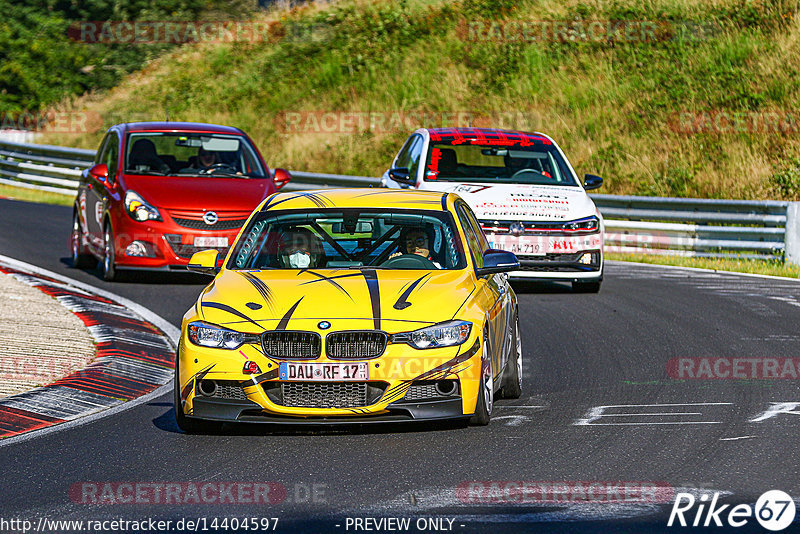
{"x": 539, "y": 164}
{"x": 349, "y": 239}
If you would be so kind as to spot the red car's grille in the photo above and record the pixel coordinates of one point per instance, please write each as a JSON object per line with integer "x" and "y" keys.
{"x": 198, "y": 214}
{"x": 202, "y": 225}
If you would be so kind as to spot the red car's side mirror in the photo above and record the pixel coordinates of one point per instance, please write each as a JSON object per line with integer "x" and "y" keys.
{"x": 100, "y": 172}
{"x": 281, "y": 178}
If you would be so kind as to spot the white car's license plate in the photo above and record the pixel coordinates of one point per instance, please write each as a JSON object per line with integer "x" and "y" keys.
{"x": 211, "y": 241}
{"x": 522, "y": 245}
{"x": 322, "y": 372}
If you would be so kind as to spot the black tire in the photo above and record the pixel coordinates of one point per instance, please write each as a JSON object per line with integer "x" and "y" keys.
{"x": 485, "y": 402}
{"x": 109, "y": 255}
{"x": 187, "y": 424}
{"x": 586, "y": 287}
{"x": 81, "y": 259}
{"x": 512, "y": 377}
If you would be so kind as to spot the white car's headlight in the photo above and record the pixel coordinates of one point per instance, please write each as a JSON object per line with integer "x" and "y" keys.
{"x": 447, "y": 334}
{"x": 208, "y": 335}
{"x": 587, "y": 225}
{"x": 138, "y": 209}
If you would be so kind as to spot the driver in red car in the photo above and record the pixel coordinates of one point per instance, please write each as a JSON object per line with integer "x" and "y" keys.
{"x": 205, "y": 160}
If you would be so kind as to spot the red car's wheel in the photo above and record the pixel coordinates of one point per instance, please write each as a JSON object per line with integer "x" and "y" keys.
{"x": 81, "y": 258}
{"x": 109, "y": 267}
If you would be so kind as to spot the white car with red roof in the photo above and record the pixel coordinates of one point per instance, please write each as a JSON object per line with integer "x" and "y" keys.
{"x": 523, "y": 190}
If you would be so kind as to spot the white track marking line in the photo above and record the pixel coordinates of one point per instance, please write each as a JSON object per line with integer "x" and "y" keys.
{"x": 699, "y": 270}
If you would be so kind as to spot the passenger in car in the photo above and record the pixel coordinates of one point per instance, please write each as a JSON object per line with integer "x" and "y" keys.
{"x": 299, "y": 248}
{"x": 143, "y": 157}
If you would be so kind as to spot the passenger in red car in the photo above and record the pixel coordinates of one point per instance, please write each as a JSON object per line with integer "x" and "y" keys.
{"x": 144, "y": 157}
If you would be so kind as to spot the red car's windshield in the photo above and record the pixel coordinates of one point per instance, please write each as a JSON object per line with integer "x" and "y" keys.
{"x": 192, "y": 154}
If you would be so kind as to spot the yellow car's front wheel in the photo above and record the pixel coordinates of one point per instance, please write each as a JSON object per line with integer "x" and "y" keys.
{"x": 485, "y": 401}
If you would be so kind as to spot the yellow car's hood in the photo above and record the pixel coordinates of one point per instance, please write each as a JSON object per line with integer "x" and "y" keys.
{"x": 380, "y": 299}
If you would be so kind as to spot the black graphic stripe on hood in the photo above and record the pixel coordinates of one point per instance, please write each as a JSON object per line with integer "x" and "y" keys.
{"x": 402, "y": 302}
{"x": 452, "y": 365}
{"x": 328, "y": 279}
{"x": 284, "y": 322}
{"x": 318, "y": 199}
{"x": 261, "y": 287}
{"x": 373, "y": 287}
{"x": 374, "y": 296}
{"x": 232, "y": 311}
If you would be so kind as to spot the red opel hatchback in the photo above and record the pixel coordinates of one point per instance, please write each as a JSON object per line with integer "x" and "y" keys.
{"x": 160, "y": 191}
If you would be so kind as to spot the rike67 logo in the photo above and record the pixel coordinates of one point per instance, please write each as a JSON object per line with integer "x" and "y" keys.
{"x": 774, "y": 510}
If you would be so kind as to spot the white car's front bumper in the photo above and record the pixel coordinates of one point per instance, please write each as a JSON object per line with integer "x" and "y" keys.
{"x": 561, "y": 267}
{"x": 591, "y": 276}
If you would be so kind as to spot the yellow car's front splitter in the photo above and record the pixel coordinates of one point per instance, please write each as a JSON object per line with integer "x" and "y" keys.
{"x": 402, "y": 385}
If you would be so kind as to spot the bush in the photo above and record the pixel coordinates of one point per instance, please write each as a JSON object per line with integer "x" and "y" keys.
{"x": 787, "y": 181}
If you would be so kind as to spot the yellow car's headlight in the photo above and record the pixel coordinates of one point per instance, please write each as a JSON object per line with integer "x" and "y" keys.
{"x": 209, "y": 335}
{"x": 447, "y": 334}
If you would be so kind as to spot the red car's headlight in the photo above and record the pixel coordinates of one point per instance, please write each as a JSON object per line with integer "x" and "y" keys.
{"x": 138, "y": 209}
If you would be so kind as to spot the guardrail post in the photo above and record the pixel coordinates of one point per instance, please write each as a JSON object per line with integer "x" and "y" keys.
{"x": 793, "y": 233}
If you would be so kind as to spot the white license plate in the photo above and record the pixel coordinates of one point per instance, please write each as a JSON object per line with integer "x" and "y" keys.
{"x": 522, "y": 245}
{"x": 322, "y": 372}
{"x": 211, "y": 242}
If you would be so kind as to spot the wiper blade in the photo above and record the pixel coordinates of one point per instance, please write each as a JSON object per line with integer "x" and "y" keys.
{"x": 149, "y": 173}
{"x": 229, "y": 174}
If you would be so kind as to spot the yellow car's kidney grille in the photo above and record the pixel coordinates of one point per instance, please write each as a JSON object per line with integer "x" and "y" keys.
{"x": 291, "y": 344}
{"x": 355, "y": 345}
{"x": 332, "y": 395}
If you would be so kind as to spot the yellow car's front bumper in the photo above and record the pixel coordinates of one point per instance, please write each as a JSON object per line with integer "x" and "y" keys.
{"x": 400, "y": 386}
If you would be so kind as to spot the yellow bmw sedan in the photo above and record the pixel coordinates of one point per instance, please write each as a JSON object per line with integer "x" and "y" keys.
{"x": 351, "y": 306}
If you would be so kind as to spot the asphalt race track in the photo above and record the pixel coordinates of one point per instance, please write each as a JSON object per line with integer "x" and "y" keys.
{"x": 586, "y": 357}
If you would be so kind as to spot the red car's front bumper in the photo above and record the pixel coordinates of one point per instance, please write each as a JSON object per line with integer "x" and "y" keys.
{"x": 169, "y": 244}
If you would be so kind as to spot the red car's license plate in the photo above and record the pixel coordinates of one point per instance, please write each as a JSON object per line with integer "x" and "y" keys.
{"x": 211, "y": 241}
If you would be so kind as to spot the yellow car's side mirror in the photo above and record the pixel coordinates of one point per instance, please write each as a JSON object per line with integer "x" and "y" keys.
{"x": 204, "y": 262}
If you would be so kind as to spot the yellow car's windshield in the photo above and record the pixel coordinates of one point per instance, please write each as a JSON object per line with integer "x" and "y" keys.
{"x": 351, "y": 238}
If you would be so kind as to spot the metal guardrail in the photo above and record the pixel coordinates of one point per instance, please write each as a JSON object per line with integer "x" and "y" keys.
{"x": 652, "y": 225}
{"x": 758, "y": 229}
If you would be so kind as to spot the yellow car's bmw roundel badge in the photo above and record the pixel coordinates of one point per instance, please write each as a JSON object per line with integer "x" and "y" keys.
{"x": 323, "y": 325}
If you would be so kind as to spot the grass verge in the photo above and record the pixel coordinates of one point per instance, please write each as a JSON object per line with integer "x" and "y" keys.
{"x": 772, "y": 268}
{"x": 33, "y": 195}
{"x": 642, "y": 112}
